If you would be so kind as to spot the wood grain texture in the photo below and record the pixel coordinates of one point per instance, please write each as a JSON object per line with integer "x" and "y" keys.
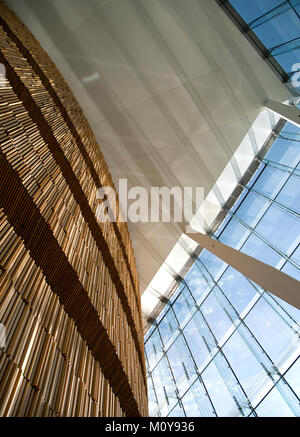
{"x": 69, "y": 295}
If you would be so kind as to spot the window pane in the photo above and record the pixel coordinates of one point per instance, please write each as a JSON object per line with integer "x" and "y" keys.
{"x": 164, "y": 387}
{"x": 286, "y": 237}
{"x": 291, "y": 310}
{"x": 239, "y": 291}
{"x": 252, "y": 209}
{"x": 184, "y": 306}
{"x": 263, "y": 322}
{"x": 196, "y": 344}
{"x": 196, "y": 283}
{"x": 154, "y": 349}
{"x": 270, "y": 181}
{"x": 216, "y": 317}
{"x": 234, "y": 234}
{"x": 251, "y": 10}
{"x": 293, "y": 377}
{"x": 177, "y": 411}
{"x": 274, "y": 406}
{"x": 255, "y": 247}
{"x": 219, "y": 394}
{"x": 152, "y": 402}
{"x": 246, "y": 366}
{"x": 290, "y": 194}
{"x": 283, "y": 151}
{"x": 283, "y": 26}
{"x": 182, "y": 365}
{"x": 196, "y": 402}
{"x": 213, "y": 264}
{"x": 168, "y": 328}
{"x": 226, "y": 356}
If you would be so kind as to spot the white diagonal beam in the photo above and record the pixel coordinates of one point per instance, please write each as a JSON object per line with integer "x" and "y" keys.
{"x": 282, "y": 285}
{"x": 288, "y": 112}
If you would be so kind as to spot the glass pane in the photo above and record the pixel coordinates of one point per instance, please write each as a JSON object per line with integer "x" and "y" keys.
{"x": 218, "y": 392}
{"x": 164, "y": 387}
{"x": 284, "y": 151}
{"x": 196, "y": 283}
{"x": 182, "y": 365}
{"x": 257, "y": 248}
{"x": 217, "y": 318}
{"x": 270, "y": 181}
{"x": 290, "y": 194}
{"x": 296, "y": 256}
{"x": 282, "y": 26}
{"x": 287, "y": 236}
{"x": 184, "y": 306}
{"x": 288, "y": 55}
{"x": 234, "y": 234}
{"x": 274, "y": 406}
{"x": 152, "y": 402}
{"x": 252, "y": 209}
{"x": 292, "y": 376}
{"x": 239, "y": 291}
{"x": 168, "y": 328}
{"x": 254, "y": 9}
{"x": 263, "y": 322}
{"x": 293, "y": 312}
{"x": 154, "y": 349}
{"x": 177, "y": 411}
{"x": 196, "y": 344}
{"x": 247, "y": 367}
{"x": 196, "y": 402}
{"x": 213, "y": 264}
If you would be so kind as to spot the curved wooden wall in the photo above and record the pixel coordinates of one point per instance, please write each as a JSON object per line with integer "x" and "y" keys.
{"x": 69, "y": 293}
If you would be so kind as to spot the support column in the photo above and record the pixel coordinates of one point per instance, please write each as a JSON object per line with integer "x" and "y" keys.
{"x": 283, "y": 286}
{"x": 289, "y": 113}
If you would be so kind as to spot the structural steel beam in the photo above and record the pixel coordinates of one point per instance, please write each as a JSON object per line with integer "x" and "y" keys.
{"x": 288, "y": 112}
{"x": 282, "y": 285}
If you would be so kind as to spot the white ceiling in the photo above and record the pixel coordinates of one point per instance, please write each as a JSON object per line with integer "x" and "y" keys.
{"x": 170, "y": 88}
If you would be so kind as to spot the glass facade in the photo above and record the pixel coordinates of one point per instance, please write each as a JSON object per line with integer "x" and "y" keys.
{"x": 223, "y": 346}
{"x": 276, "y": 23}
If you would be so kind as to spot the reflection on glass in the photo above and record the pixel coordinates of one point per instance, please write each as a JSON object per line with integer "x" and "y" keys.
{"x": 276, "y": 24}
{"x": 197, "y": 283}
{"x": 219, "y": 394}
{"x": 248, "y": 368}
{"x": 260, "y": 250}
{"x": 274, "y": 406}
{"x": 263, "y": 321}
{"x": 177, "y": 411}
{"x": 292, "y": 376}
{"x": 216, "y": 317}
{"x": 270, "y": 181}
{"x": 183, "y": 306}
{"x": 286, "y": 237}
{"x": 183, "y": 367}
{"x": 290, "y": 194}
{"x": 197, "y": 403}
{"x": 234, "y": 234}
{"x": 168, "y": 328}
{"x": 252, "y": 209}
{"x": 238, "y": 290}
{"x": 197, "y": 345}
